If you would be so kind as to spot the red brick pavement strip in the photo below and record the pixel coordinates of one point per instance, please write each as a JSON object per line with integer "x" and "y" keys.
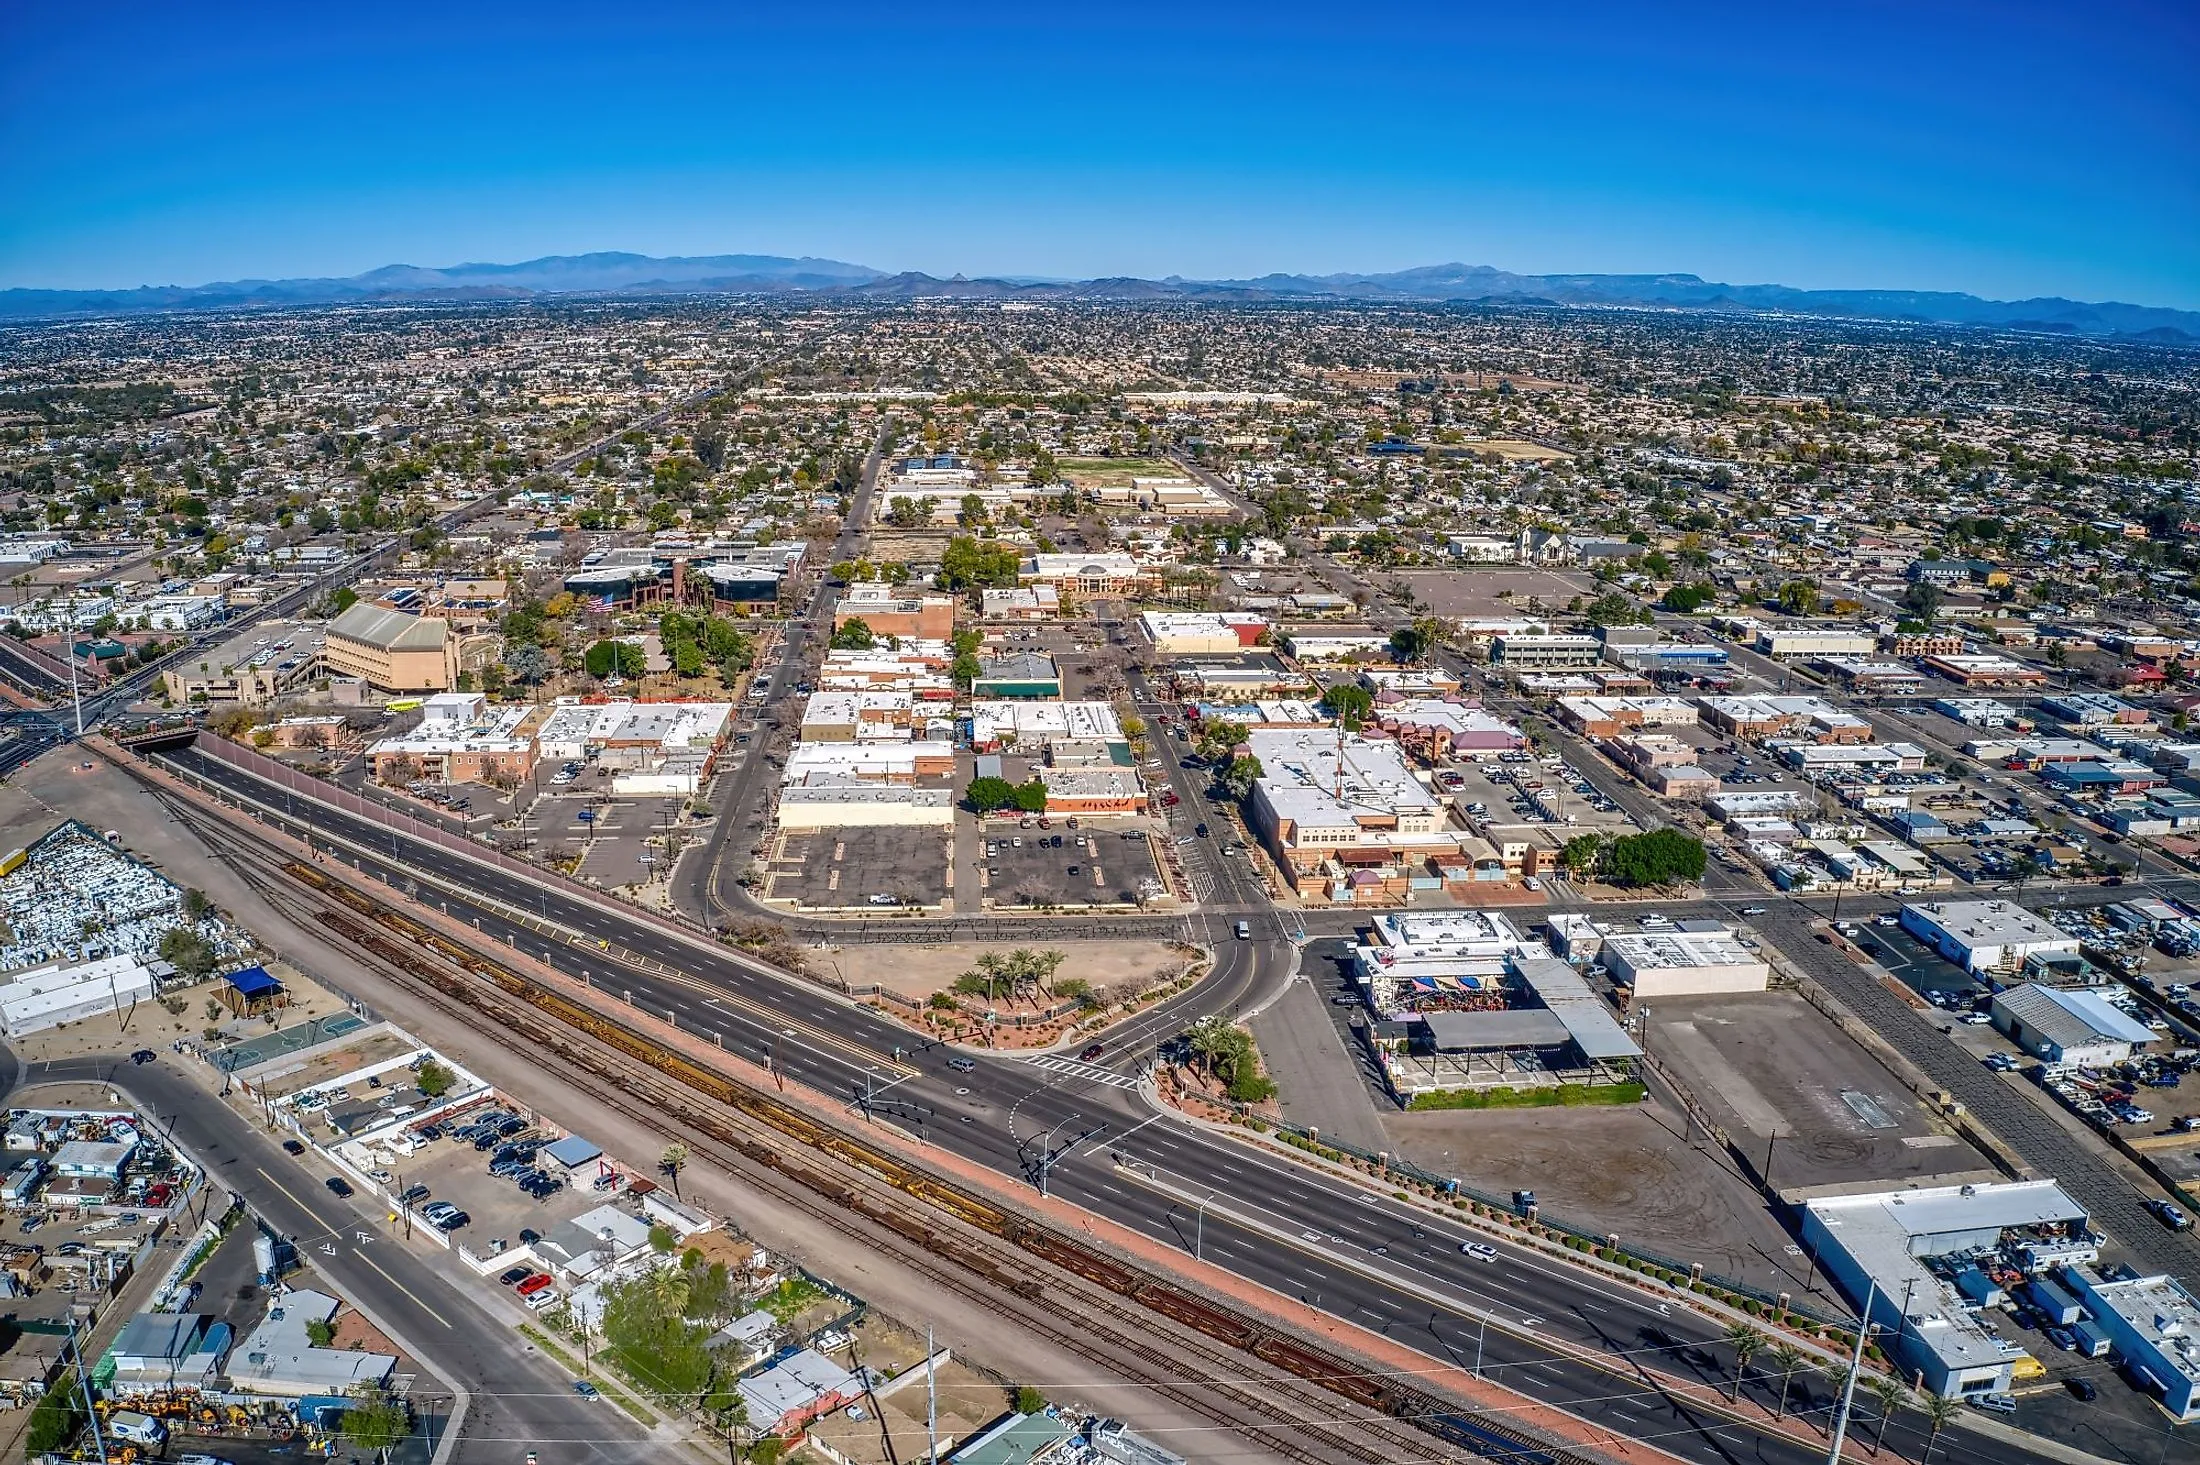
{"x": 1385, "y": 1355}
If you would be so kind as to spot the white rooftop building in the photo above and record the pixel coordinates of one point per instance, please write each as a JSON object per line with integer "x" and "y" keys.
{"x": 2155, "y": 1324}
{"x": 1877, "y": 1245}
{"x": 1676, "y": 963}
{"x": 1984, "y": 935}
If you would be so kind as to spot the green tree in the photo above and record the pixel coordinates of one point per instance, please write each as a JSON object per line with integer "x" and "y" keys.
{"x": 1240, "y": 775}
{"x": 854, "y": 634}
{"x": 1661, "y": 857}
{"x": 969, "y": 563}
{"x": 672, "y": 1161}
{"x": 1890, "y": 1395}
{"x": 1029, "y": 1400}
{"x": 1745, "y": 1341}
{"x": 988, "y": 794}
{"x": 1578, "y": 856}
{"x": 374, "y": 1421}
{"x": 57, "y": 1418}
{"x": 188, "y": 952}
{"x": 196, "y": 905}
{"x": 434, "y": 1079}
{"x": 1940, "y": 1412}
{"x": 1410, "y": 643}
{"x": 616, "y": 658}
{"x": 1612, "y": 609}
{"x": 1799, "y": 598}
{"x": 1788, "y": 1361}
{"x": 1351, "y": 703}
{"x": 1031, "y": 796}
{"x": 1923, "y": 601}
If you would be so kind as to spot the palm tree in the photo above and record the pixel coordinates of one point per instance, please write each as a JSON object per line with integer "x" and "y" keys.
{"x": 1789, "y": 1361}
{"x": 1745, "y": 1340}
{"x": 1891, "y": 1394}
{"x": 1940, "y": 1412}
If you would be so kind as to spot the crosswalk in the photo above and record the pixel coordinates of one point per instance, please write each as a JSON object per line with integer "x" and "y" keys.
{"x": 1056, "y": 1063}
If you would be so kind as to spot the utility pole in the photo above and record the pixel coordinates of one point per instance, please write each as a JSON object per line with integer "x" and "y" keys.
{"x": 84, "y": 1390}
{"x": 931, "y": 1400}
{"x": 1856, "y": 1366}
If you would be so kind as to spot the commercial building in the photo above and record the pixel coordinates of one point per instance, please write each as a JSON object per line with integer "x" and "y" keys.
{"x": 1762, "y": 717}
{"x": 1532, "y": 652}
{"x": 1983, "y": 712}
{"x": 1033, "y": 726}
{"x": 1091, "y": 574}
{"x": 1985, "y": 935}
{"x": 1336, "y": 643}
{"x": 2068, "y": 1025}
{"x": 1865, "y": 757}
{"x": 868, "y": 763}
{"x": 870, "y": 716}
{"x": 2153, "y": 1323}
{"x": 1606, "y": 717}
{"x": 1020, "y": 674}
{"x": 181, "y": 612}
{"x": 1783, "y": 642}
{"x": 1202, "y": 633}
{"x": 1905, "y": 1249}
{"x": 392, "y": 651}
{"x": 828, "y": 804}
{"x": 1344, "y": 816}
{"x": 1443, "y": 728}
{"x": 1985, "y": 670}
{"x": 462, "y": 738}
{"x": 889, "y": 611}
{"x": 1024, "y": 603}
{"x": 279, "y": 1359}
{"x": 1684, "y": 963}
{"x": 650, "y": 747}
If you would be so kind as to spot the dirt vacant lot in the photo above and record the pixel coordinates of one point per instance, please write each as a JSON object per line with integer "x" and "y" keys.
{"x": 1475, "y": 592}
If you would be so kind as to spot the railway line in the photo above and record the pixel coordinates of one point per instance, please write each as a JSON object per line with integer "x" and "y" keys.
{"x": 1301, "y": 1401}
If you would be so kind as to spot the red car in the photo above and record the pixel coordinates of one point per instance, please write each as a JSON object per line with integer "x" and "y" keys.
{"x": 533, "y": 1284}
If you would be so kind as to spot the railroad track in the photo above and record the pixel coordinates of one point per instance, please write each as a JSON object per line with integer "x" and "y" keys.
{"x": 1309, "y": 1412}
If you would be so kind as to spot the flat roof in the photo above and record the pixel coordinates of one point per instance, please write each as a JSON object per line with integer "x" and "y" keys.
{"x": 1989, "y": 922}
{"x": 1485, "y": 1032}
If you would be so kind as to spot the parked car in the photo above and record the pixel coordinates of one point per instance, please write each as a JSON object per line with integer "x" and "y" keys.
{"x": 515, "y": 1276}
{"x": 338, "y": 1186}
{"x": 294, "y": 1147}
{"x": 2169, "y": 1215}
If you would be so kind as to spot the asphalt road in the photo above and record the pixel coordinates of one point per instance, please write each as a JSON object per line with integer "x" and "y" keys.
{"x": 519, "y": 1399}
{"x": 1092, "y": 1136}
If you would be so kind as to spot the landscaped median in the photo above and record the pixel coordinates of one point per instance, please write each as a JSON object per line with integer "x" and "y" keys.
{"x": 1546, "y": 1096}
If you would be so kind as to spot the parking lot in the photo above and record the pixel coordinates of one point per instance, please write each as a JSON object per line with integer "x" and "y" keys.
{"x": 612, "y": 834}
{"x": 859, "y": 866}
{"x": 1777, "y": 1074}
{"x": 1060, "y": 866}
{"x": 1528, "y": 791}
{"x": 455, "y": 1171}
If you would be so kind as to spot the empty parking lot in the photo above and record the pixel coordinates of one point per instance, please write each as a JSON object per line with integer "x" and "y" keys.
{"x": 829, "y": 869}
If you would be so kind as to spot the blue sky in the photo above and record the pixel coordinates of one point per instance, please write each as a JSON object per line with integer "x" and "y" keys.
{"x": 2008, "y": 149}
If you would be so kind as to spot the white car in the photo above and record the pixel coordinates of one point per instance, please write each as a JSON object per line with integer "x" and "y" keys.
{"x": 1481, "y": 1251}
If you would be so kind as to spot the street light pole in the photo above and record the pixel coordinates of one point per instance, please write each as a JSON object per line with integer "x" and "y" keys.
{"x": 1199, "y": 1230}
{"x": 1856, "y": 1366}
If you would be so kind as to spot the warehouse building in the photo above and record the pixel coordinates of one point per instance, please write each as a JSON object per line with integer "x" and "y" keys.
{"x": 1684, "y": 963}
{"x": 2060, "y": 1025}
{"x": 1985, "y": 935}
{"x": 1885, "y": 1246}
{"x": 1782, "y": 642}
{"x": 2154, "y": 1325}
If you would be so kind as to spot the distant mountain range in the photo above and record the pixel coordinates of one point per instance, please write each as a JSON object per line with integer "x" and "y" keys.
{"x": 639, "y": 274}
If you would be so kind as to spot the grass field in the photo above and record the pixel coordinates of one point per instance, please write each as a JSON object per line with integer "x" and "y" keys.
{"x": 1116, "y": 470}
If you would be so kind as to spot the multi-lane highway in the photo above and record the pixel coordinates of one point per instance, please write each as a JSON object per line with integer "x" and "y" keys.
{"x": 1556, "y": 1333}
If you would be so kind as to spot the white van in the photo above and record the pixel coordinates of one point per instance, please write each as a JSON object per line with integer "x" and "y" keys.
{"x": 134, "y": 1428}
{"x": 1244, "y": 931}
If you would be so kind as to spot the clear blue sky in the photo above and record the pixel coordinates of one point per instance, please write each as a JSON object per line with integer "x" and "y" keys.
{"x": 2014, "y": 148}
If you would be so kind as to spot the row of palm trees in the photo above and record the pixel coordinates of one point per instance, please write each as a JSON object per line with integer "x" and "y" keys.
{"x": 1790, "y": 1361}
